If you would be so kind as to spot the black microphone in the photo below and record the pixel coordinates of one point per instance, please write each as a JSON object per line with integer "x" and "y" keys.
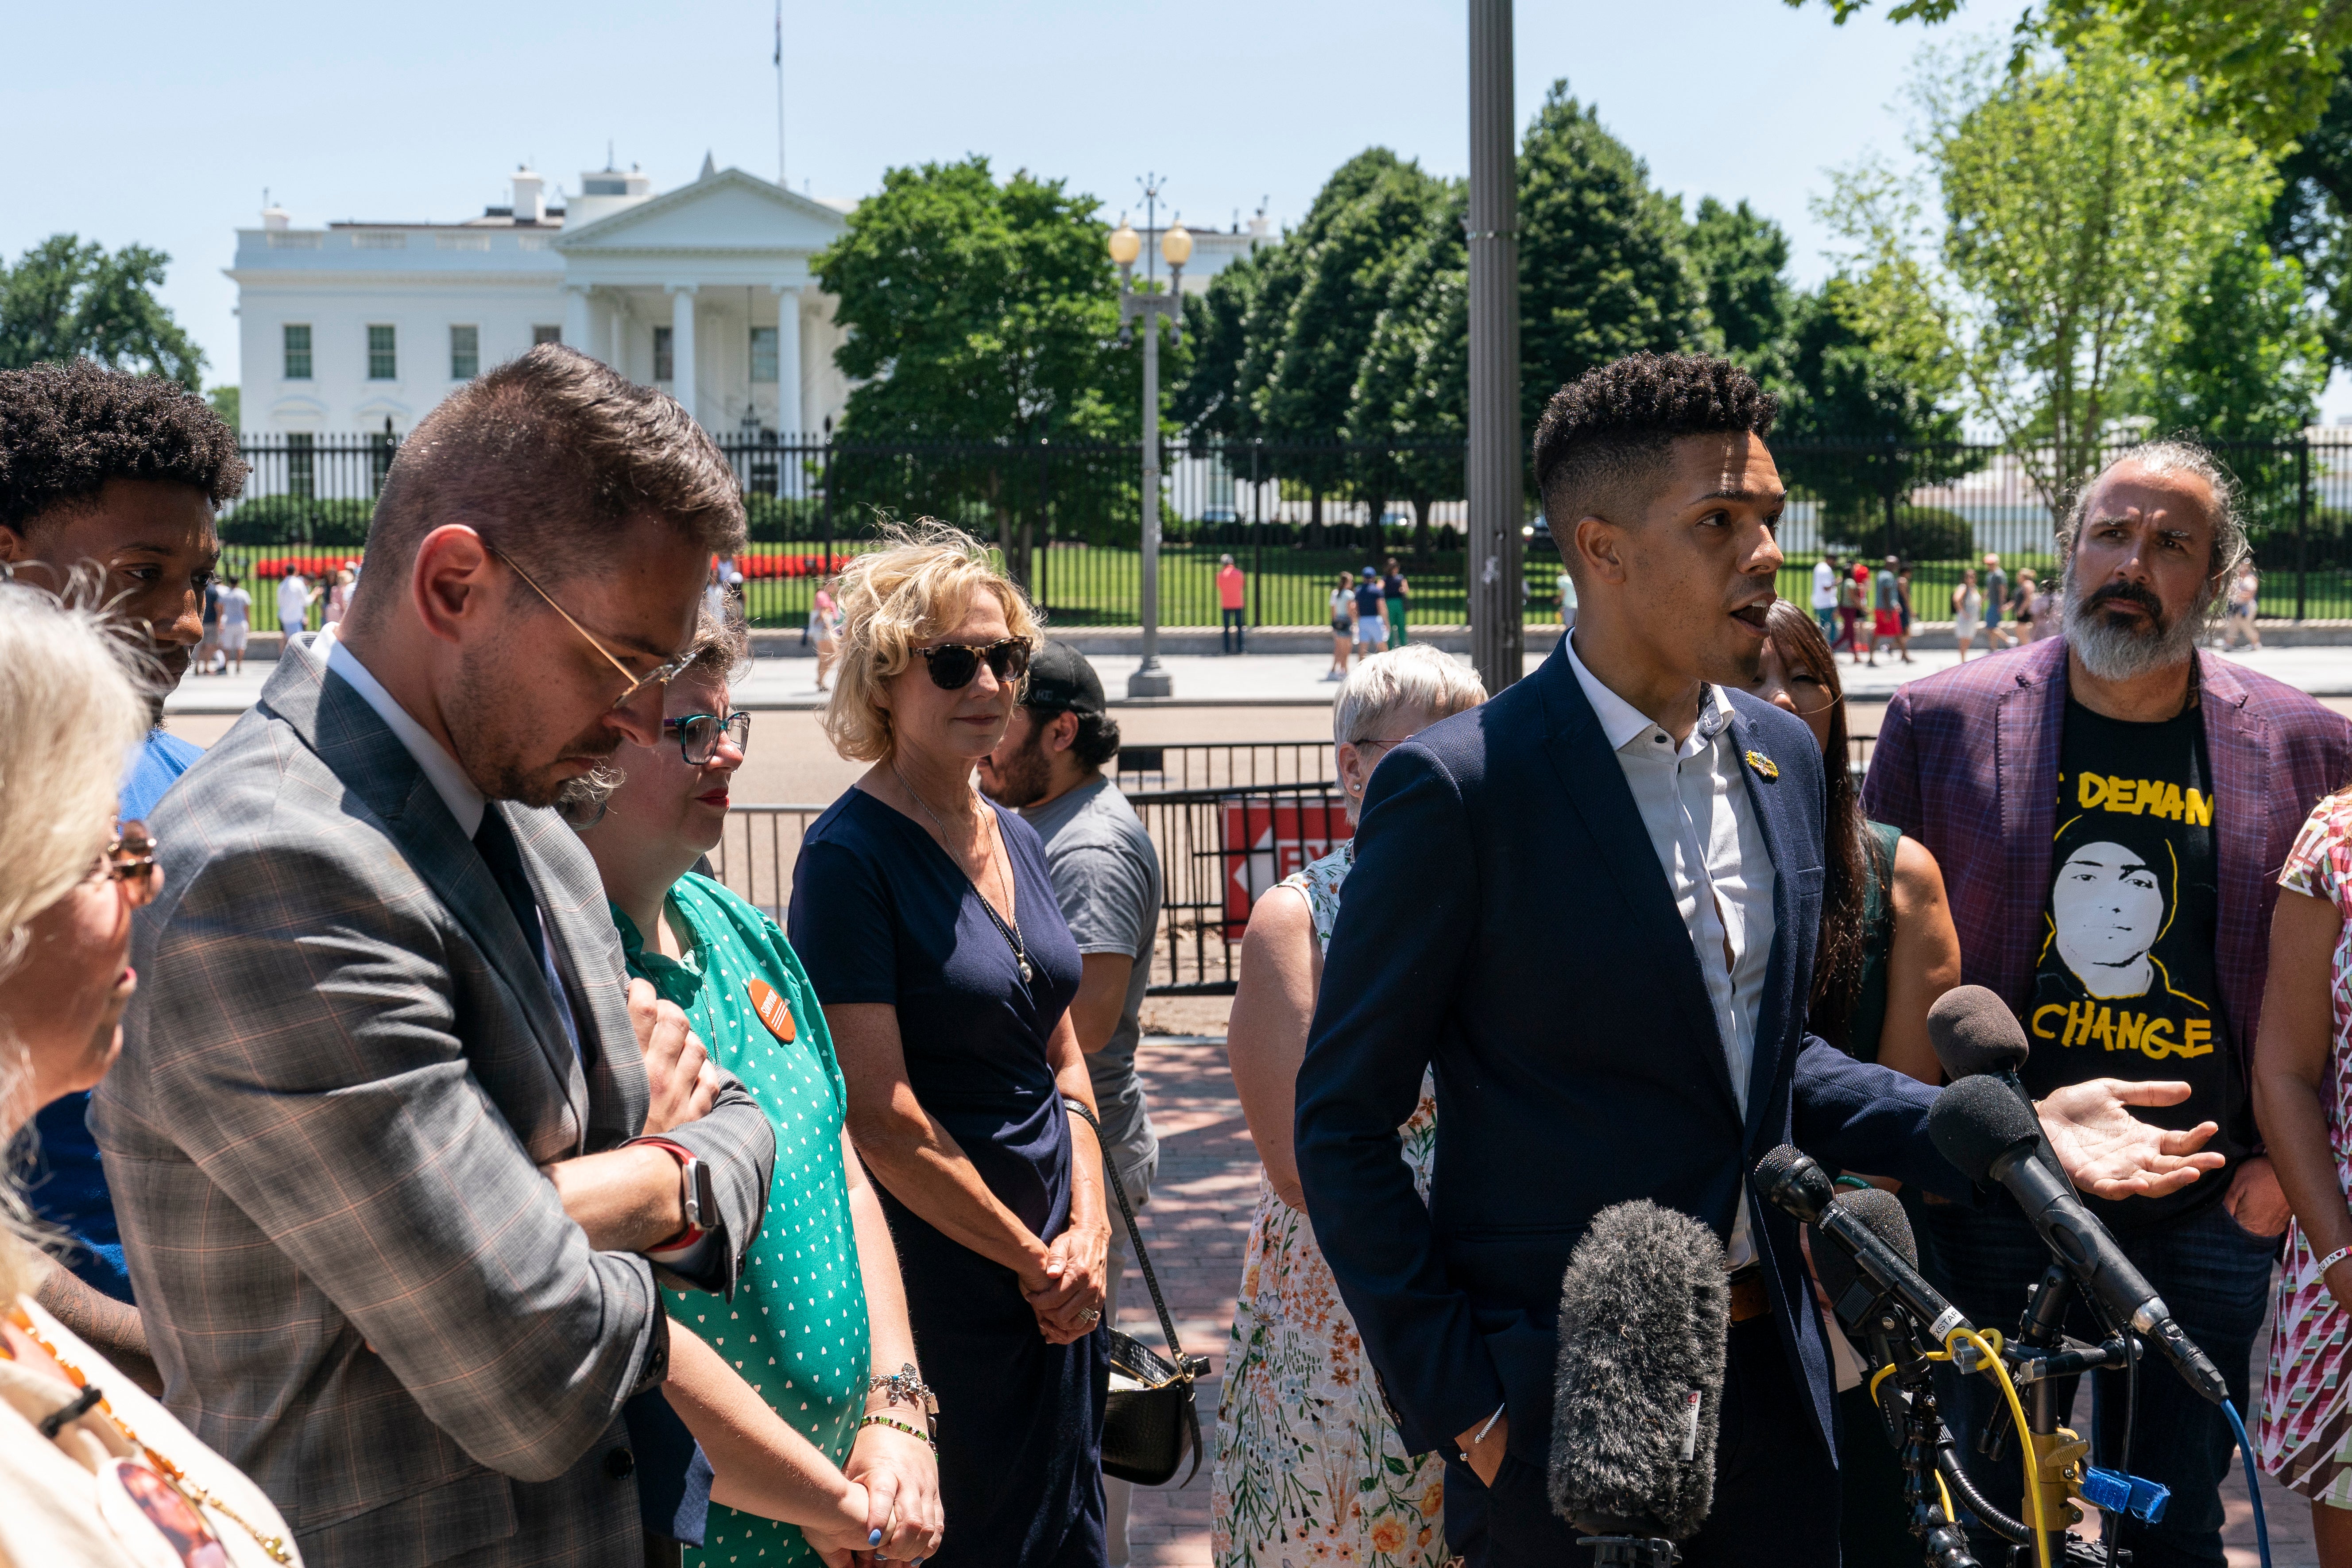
{"x": 1644, "y": 1320}
{"x": 1979, "y": 1125}
{"x": 1976, "y": 1035}
{"x": 1792, "y": 1182}
{"x": 1834, "y": 1265}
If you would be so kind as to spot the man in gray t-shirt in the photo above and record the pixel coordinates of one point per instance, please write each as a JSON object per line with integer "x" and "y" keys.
{"x": 1106, "y": 876}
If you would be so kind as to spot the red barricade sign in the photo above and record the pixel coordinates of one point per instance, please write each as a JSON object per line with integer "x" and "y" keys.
{"x": 1265, "y": 840}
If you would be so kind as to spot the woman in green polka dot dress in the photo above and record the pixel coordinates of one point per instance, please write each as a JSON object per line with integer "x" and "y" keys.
{"x": 818, "y": 1322}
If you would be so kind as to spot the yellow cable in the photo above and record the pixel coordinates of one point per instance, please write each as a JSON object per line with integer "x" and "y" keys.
{"x": 1950, "y": 1512}
{"x": 1881, "y": 1375}
{"x": 1993, "y": 1369}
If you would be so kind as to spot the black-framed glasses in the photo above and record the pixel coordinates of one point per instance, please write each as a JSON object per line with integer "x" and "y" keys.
{"x": 953, "y": 664}
{"x": 130, "y": 860}
{"x": 637, "y": 683}
{"x": 698, "y": 735}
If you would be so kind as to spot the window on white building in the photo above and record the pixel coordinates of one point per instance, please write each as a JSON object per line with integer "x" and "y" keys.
{"x": 465, "y": 352}
{"x": 546, "y": 334}
{"x": 763, "y": 354}
{"x": 301, "y": 480}
{"x": 297, "y": 353}
{"x": 383, "y": 361}
{"x": 665, "y": 366}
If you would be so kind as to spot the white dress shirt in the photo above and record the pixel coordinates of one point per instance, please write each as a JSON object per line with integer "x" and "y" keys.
{"x": 457, "y": 791}
{"x": 1694, "y": 802}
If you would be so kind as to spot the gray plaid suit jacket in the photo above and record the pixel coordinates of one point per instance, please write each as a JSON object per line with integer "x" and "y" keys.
{"x": 341, "y": 1073}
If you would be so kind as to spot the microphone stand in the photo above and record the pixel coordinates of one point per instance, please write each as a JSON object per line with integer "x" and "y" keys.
{"x": 1908, "y": 1415}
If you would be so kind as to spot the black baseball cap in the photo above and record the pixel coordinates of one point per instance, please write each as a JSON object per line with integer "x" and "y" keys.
{"x": 1061, "y": 681}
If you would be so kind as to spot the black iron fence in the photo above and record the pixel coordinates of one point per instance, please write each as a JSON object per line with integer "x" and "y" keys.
{"x": 1296, "y": 517}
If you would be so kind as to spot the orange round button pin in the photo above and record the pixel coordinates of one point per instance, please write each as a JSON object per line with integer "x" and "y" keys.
{"x": 773, "y": 1009}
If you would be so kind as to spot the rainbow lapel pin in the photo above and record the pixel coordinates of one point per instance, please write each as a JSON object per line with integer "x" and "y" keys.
{"x": 1764, "y": 764}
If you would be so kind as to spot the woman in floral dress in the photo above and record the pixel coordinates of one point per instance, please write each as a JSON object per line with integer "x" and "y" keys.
{"x": 2303, "y": 1099}
{"x": 1309, "y": 1468}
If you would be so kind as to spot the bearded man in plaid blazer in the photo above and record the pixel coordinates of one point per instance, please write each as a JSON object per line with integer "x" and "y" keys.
{"x": 384, "y": 1051}
{"x": 2111, "y": 811}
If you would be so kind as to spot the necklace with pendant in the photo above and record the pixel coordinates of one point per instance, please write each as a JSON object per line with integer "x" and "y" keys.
{"x": 1009, "y": 930}
{"x": 199, "y": 1496}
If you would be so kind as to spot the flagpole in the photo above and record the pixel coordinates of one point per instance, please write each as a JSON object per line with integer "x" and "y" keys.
{"x": 780, "y": 96}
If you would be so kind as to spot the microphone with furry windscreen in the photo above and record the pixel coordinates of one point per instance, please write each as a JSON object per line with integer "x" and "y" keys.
{"x": 1644, "y": 1318}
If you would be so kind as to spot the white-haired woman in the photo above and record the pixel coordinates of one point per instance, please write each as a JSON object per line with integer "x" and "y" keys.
{"x": 927, "y": 919}
{"x": 92, "y": 1471}
{"x": 1306, "y": 1461}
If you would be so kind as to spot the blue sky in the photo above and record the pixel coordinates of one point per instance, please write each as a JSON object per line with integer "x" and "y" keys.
{"x": 163, "y": 124}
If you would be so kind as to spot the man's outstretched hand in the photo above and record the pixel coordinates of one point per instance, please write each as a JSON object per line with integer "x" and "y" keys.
{"x": 2111, "y": 1153}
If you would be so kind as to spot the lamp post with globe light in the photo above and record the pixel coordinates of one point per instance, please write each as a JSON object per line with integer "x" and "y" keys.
{"x": 1151, "y": 680}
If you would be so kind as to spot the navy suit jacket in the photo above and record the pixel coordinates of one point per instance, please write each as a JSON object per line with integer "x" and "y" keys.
{"x": 1507, "y": 923}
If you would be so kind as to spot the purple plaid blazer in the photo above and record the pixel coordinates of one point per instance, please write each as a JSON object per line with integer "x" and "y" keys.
{"x": 1967, "y": 763}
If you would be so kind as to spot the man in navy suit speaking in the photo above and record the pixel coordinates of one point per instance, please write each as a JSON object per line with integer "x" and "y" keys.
{"x": 1590, "y": 905}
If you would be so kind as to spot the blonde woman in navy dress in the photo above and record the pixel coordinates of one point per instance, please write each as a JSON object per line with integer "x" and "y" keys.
{"x": 927, "y": 921}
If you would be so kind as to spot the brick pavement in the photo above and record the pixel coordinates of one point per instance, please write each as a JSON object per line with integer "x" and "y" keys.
{"x": 1199, "y": 1220}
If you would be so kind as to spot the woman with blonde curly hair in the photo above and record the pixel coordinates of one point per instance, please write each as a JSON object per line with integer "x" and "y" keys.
{"x": 927, "y": 920}
{"x": 92, "y": 1471}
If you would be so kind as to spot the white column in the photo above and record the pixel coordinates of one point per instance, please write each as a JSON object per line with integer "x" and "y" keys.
{"x": 681, "y": 345}
{"x": 788, "y": 360}
{"x": 619, "y": 358}
{"x": 575, "y": 317}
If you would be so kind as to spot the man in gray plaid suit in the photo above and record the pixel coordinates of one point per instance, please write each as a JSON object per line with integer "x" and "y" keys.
{"x": 375, "y": 1138}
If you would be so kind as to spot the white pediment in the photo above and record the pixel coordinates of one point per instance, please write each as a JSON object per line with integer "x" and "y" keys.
{"x": 729, "y": 211}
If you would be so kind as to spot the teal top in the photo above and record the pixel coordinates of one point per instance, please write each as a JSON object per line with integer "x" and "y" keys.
{"x": 1868, "y": 1019}
{"x": 796, "y": 1328}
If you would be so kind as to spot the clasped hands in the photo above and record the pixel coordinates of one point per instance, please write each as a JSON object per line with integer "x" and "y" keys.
{"x": 1065, "y": 1281}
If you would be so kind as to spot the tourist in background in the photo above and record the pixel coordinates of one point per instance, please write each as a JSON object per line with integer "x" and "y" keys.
{"x": 210, "y": 644}
{"x": 76, "y": 1486}
{"x": 1107, "y": 878}
{"x": 2238, "y": 624}
{"x": 1343, "y": 627}
{"x": 339, "y": 598}
{"x": 2024, "y": 604}
{"x": 1232, "y": 603}
{"x": 1396, "y": 595}
{"x": 237, "y": 625}
{"x": 1849, "y": 606}
{"x": 829, "y": 1305}
{"x": 1885, "y": 952}
{"x": 927, "y": 919}
{"x": 107, "y": 486}
{"x": 1996, "y": 601}
{"x": 1903, "y": 594}
{"x": 294, "y": 596}
{"x": 1967, "y": 607}
{"x": 1371, "y": 604}
{"x": 1886, "y": 611}
{"x": 824, "y": 616}
{"x": 1825, "y": 594}
{"x": 1564, "y": 587}
{"x": 1306, "y": 1461}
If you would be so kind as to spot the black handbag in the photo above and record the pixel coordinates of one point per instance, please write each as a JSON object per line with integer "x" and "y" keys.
{"x": 1146, "y": 1429}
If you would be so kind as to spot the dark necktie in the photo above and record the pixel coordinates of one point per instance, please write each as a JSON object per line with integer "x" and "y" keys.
{"x": 496, "y": 840}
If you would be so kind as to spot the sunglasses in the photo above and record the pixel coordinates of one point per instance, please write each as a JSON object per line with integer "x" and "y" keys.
{"x": 953, "y": 664}
{"x": 637, "y": 683}
{"x": 130, "y": 860}
{"x": 698, "y": 735}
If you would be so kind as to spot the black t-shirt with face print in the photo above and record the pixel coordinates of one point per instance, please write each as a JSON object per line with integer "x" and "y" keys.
{"x": 2125, "y": 984}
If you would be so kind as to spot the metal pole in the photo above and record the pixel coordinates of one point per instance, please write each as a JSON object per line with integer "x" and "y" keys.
{"x": 2302, "y": 520}
{"x": 1150, "y": 680}
{"x": 1494, "y": 465}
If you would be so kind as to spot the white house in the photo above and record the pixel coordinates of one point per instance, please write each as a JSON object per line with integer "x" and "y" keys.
{"x": 704, "y": 290}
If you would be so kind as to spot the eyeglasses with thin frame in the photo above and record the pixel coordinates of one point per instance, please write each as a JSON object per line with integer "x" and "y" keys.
{"x": 637, "y": 683}
{"x": 954, "y": 664}
{"x": 698, "y": 735}
{"x": 129, "y": 858}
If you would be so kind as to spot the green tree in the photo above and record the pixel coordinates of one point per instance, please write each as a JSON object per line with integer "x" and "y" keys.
{"x": 225, "y": 403}
{"x": 2243, "y": 358}
{"x": 2266, "y": 66}
{"x": 1604, "y": 268}
{"x": 1412, "y": 390}
{"x": 983, "y": 316}
{"x": 1208, "y": 401}
{"x": 2311, "y": 220}
{"x": 1742, "y": 258}
{"x": 2080, "y": 200}
{"x": 1861, "y": 427}
{"x": 69, "y": 298}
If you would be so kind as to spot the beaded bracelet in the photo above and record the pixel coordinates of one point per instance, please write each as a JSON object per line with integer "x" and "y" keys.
{"x": 897, "y": 1426}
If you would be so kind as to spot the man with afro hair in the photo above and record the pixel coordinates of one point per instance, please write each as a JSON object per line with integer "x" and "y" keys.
{"x": 107, "y": 486}
{"x": 1590, "y": 905}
